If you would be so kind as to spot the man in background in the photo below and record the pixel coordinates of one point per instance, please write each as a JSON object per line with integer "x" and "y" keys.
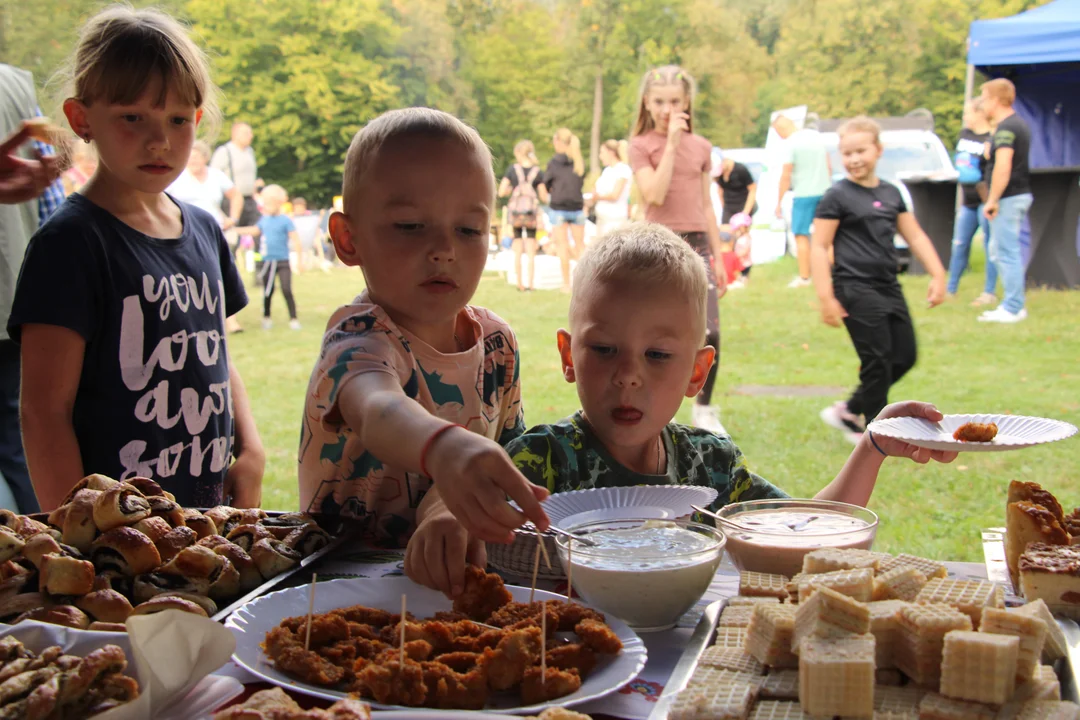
{"x": 808, "y": 175}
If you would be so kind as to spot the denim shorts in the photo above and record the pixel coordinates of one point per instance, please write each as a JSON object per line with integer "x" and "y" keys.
{"x": 802, "y": 214}
{"x": 570, "y": 217}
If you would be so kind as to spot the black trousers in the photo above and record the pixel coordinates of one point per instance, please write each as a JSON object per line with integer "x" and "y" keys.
{"x": 881, "y": 331}
{"x": 12, "y": 459}
{"x": 272, "y": 271}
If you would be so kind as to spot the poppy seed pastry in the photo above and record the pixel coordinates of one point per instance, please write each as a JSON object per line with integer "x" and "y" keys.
{"x": 281, "y": 525}
{"x": 153, "y": 527}
{"x": 162, "y": 603}
{"x": 221, "y": 515}
{"x": 175, "y": 540}
{"x": 166, "y": 509}
{"x": 273, "y": 557}
{"x": 66, "y": 575}
{"x": 67, "y": 615}
{"x": 79, "y": 528}
{"x": 146, "y": 486}
{"x": 105, "y": 606}
{"x": 201, "y": 524}
{"x": 97, "y": 483}
{"x": 11, "y": 544}
{"x": 119, "y": 506}
{"x": 150, "y": 585}
{"x": 125, "y": 549}
{"x": 225, "y": 581}
{"x": 307, "y": 539}
{"x": 17, "y": 605}
{"x": 202, "y": 601}
{"x": 194, "y": 562}
{"x": 213, "y": 541}
{"x": 247, "y": 535}
{"x": 250, "y": 577}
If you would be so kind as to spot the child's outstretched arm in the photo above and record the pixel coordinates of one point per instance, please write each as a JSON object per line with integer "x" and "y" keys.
{"x": 473, "y": 475}
{"x": 832, "y": 312}
{"x": 855, "y": 482}
{"x": 923, "y": 249}
{"x": 52, "y": 360}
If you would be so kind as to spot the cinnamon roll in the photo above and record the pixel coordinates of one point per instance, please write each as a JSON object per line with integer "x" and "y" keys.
{"x": 247, "y": 535}
{"x": 15, "y": 606}
{"x": 174, "y": 541}
{"x": 165, "y": 508}
{"x": 66, "y": 575}
{"x": 153, "y": 527}
{"x": 105, "y": 606}
{"x": 119, "y": 506}
{"x": 212, "y": 541}
{"x": 40, "y": 545}
{"x": 273, "y": 557}
{"x": 220, "y": 515}
{"x": 225, "y": 581}
{"x": 160, "y": 604}
{"x": 98, "y": 483}
{"x": 307, "y": 539}
{"x": 79, "y": 529}
{"x": 125, "y": 549}
{"x": 194, "y": 562}
{"x": 107, "y": 627}
{"x": 202, "y": 601}
{"x": 67, "y": 615}
{"x": 202, "y": 525}
{"x": 150, "y": 585}
{"x": 10, "y": 545}
{"x": 250, "y": 577}
{"x": 281, "y": 525}
{"x": 146, "y": 486}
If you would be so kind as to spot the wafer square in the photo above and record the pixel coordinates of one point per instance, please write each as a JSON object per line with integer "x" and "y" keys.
{"x": 827, "y": 613}
{"x": 755, "y": 584}
{"x": 740, "y": 600}
{"x": 1045, "y": 710}
{"x": 939, "y": 707}
{"x": 1055, "y": 646}
{"x": 769, "y": 635}
{"x": 902, "y": 583}
{"x": 885, "y": 627}
{"x": 706, "y": 675}
{"x": 858, "y": 584}
{"x": 836, "y": 676}
{"x": 730, "y": 637}
{"x": 731, "y": 701}
{"x": 826, "y": 560}
{"x": 896, "y": 715}
{"x": 793, "y": 586}
{"x": 898, "y": 699}
{"x": 930, "y": 568}
{"x": 1030, "y": 630}
{"x": 979, "y": 666}
{"x": 968, "y": 596}
{"x": 781, "y": 685}
{"x": 736, "y": 616}
{"x": 778, "y": 710}
{"x": 1044, "y": 685}
{"x": 921, "y": 638}
{"x": 735, "y": 659}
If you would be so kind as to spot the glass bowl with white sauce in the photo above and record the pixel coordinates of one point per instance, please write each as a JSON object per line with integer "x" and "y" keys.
{"x": 646, "y": 572}
{"x": 772, "y": 536}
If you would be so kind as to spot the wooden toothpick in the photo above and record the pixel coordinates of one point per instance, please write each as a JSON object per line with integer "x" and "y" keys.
{"x": 401, "y": 659}
{"x": 543, "y": 643}
{"x": 543, "y": 549}
{"x": 569, "y": 571}
{"x": 536, "y": 571}
{"x": 310, "y": 610}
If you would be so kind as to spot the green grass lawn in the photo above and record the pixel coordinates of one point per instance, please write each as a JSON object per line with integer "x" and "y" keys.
{"x": 771, "y": 336}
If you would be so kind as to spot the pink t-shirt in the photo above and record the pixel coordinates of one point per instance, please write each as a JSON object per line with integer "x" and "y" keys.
{"x": 478, "y": 388}
{"x": 684, "y": 205}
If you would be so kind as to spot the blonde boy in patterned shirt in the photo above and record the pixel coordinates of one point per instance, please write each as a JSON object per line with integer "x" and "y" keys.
{"x": 415, "y": 391}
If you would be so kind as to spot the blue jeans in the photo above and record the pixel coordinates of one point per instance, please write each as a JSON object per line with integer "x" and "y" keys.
{"x": 570, "y": 217}
{"x": 1005, "y": 248}
{"x": 968, "y": 220}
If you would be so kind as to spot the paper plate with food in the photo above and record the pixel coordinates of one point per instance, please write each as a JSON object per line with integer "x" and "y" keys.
{"x": 974, "y": 433}
{"x": 495, "y": 647}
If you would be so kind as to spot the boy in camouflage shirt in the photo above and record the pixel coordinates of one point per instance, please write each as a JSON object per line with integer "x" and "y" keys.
{"x": 634, "y": 349}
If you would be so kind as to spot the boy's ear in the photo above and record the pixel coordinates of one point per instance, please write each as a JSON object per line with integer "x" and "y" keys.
{"x": 703, "y": 361}
{"x": 75, "y": 112}
{"x": 563, "y": 340}
{"x": 344, "y": 241}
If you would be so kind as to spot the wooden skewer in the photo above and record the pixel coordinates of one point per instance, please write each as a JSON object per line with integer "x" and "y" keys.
{"x": 310, "y": 611}
{"x": 543, "y": 549}
{"x": 543, "y": 643}
{"x": 536, "y": 571}
{"x": 401, "y": 659}
{"x": 569, "y": 571}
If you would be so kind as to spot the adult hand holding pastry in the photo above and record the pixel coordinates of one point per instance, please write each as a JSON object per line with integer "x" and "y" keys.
{"x": 474, "y": 475}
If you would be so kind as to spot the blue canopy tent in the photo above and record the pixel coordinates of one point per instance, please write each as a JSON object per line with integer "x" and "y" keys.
{"x": 1039, "y": 51}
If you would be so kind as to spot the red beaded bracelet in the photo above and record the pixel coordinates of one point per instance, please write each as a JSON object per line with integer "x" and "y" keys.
{"x": 431, "y": 441}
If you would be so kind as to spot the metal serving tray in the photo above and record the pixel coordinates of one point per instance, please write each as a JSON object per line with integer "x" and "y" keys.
{"x": 706, "y": 631}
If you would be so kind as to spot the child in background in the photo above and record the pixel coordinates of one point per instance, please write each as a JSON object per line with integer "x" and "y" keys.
{"x": 121, "y": 304}
{"x": 415, "y": 390}
{"x": 279, "y": 237}
{"x": 857, "y": 220}
{"x": 737, "y": 261}
{"x": 308, "y": 229}
{"x": 633, "y": 367}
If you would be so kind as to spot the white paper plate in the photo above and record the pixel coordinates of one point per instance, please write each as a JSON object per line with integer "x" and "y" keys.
{"x": 1014, "y": 431}
{"x": 676, "y": 498}
{"x": 251, "y": 623}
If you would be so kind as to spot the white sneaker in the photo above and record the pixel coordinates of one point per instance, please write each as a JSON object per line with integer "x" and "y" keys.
{"x": 1001, "y": 315}
{"x": 267, "y": 323}
{"x": 838, "y": 416}
{"x": 736, "y": 284}
{"x": 707, "y": 417}
{"x": 799, "y": 282}
{"x": 984, "y": 299}
{"x": 294, "y": 324}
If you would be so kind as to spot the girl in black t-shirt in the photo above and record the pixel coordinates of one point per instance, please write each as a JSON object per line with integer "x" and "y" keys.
{"x": 856, "y": 221}
{"x": 523, "y": 183}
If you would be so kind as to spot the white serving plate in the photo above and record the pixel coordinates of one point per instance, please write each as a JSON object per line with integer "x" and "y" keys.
{"x": 676, "y": 499}
{"x": 251, "y": 623}
{"x": 1014, "y": 432}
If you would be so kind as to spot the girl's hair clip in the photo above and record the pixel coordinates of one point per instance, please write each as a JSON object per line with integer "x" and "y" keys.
{"x": 656, "y": 75}
{"x": 679, "y": 76}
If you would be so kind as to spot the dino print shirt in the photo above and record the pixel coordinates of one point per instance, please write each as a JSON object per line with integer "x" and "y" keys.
{"x": 478, "y": 388}
{"x": 569, "y": 456}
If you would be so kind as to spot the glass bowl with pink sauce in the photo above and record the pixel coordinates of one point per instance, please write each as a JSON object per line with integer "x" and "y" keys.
{"x": 772, "y": 536}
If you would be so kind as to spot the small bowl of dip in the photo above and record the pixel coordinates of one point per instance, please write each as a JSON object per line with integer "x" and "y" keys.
{"x": 646, "y": 572}
{"x": 772, "y": 536}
